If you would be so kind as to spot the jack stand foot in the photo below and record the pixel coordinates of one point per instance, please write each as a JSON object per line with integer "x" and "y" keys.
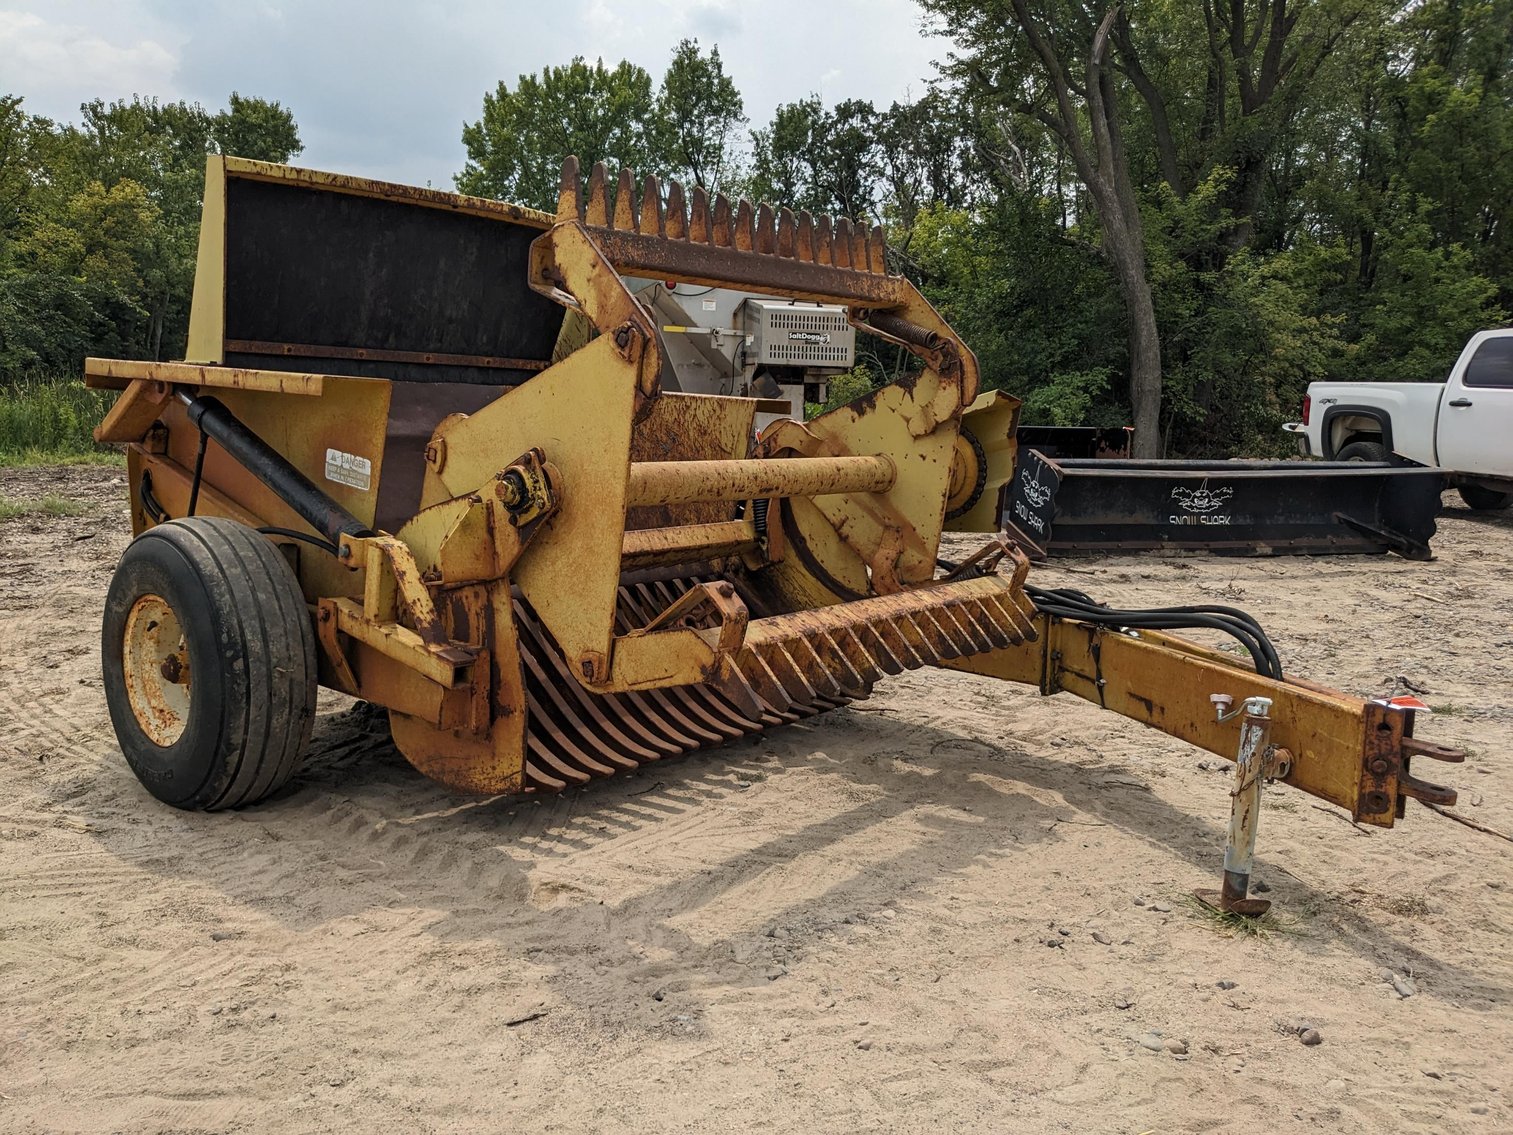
{"x": 1214, "y": 900}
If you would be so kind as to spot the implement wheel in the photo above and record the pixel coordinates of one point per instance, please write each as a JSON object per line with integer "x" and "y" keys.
{"x": 209, "y": 663}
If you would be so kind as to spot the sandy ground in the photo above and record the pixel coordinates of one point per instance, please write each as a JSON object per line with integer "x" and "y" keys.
{"x": 839, "y": 927}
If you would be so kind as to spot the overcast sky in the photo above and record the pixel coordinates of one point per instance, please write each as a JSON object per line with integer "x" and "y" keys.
{"x": 381, "y": 88}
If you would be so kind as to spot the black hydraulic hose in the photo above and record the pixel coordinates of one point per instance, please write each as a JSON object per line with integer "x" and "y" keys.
{"x": 270, "y": 467}
{"x": 290, "y": 534}
{"x": 1069, "y": 603}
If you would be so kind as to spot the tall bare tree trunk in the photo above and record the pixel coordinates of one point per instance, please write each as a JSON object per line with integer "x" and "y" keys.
{"x": 1103, "y": 166}
{"x": 1124, "y": 246}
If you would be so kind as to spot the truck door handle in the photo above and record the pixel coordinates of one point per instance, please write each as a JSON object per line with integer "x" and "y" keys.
{"x": 1461, "y": 402}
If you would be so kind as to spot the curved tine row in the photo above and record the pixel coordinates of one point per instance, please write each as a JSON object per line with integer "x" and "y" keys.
{"x": 574, "y": 735}
{"x": 742, "y": 226}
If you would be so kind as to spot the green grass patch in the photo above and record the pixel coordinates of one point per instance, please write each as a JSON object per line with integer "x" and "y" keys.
{"x": 1238, "y": 925}
{"x": 51, "y": 421}
{"x": 50, "y": 505}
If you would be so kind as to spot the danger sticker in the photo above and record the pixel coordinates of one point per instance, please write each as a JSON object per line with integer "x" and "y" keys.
{"x": 348, "y": 469}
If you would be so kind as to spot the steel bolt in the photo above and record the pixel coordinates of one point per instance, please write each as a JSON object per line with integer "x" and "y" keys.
{"x": 1379, "y": 767}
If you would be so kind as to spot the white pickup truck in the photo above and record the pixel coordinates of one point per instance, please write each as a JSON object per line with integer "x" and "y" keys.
{"x": 1464, "y": 424}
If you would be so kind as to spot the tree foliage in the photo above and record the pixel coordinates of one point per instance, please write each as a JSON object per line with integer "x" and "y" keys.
{"x": 99, "y": 223}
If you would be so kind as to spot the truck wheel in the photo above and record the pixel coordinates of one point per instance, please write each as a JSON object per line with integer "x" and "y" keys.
{"x": 1484, "y": 500}
{"x": 1362, "y": 451}
{"x": 209, "y": 663}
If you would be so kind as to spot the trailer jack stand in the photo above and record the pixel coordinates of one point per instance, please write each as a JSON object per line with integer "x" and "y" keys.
{"x": 1257, "y": 761}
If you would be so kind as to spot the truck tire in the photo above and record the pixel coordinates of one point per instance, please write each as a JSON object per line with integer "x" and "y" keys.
{"x": 208, "y": 656}
{"x": 1362, "y": 451}
{"x": 1484, "y": 500}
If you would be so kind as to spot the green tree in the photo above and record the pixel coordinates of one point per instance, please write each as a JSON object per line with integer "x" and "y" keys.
{"x": 515, "y": 149}
{"x": 255, "y": 128}
{"x": 699, "y": 111}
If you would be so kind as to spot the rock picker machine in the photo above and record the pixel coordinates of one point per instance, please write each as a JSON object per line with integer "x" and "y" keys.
{"x": 392, "y": 467}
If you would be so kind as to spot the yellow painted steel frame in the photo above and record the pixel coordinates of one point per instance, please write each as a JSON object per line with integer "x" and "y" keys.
{"x": 1345, "y": 750}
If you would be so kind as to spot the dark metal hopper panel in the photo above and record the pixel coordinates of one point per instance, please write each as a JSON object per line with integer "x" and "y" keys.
{"x": 341, "y": 283}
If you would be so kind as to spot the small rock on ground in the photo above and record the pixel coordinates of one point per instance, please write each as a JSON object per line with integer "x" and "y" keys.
{"x": 1311, "y": 1037}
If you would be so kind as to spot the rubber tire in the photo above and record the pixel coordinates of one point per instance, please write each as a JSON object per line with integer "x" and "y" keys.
{"x": 1484, "y": 500}
{"x": 1362, "y": 451}
{"x": 251, "y": 651}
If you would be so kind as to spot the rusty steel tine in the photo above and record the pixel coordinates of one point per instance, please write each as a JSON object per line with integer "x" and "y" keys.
{"x": 942, "y": 633}
{"x": 570, "y": 193}
{"x": 1021, "y": 621}
{"x": 766, "y": 230}
{"x": 785, "y": 233}
{"x": 803, "y": 242}
{"x": 893, "y": 640}
{"x": 675, "y": 715}
{"x": 683, "y": 697}
{"x": 677, "y": 212}
{"x": 577, "y": 742}
{"x": 653, "y": 715}
{"x": 1017, "y": 620}
{"x": 822, "y": 240}
{"x": 564, "y": 678}
{"x": 841, "y": 257}
{"x": 1001, "y": 625}
{"x": 558, "y": 691}
{"x": 987, "y": 629}
{"x": 859, "y": 259}
{"x": 923, "y": 635}
{"x": 540, "y": 747}
{"x": 1001, "y": 628}
{"x": 699, "y": 713}
{"x": 867, "y": 664}
{"x": 651, "y": 208}
{"x": 745, "y": 227}
{"x": 877, "y": 252}
{"x": 598, "y": 197}
{"x": 763, "y": 680}
{"x": 960, "y": 611}
{"x": 815, "y": 668}
{"x": 649, "y": 748}
{"x": 533, "y": 651}
{"x": 964, "y": 634}
{"x": 719, "y": 227}
{"x": 851, "y": 679}
{"x": 765, "y": 717}
{"x": 539, "y": 779}
{"x": 698, "y": 220}
{"x": 787, "y": 671}
{"x": 917, "y": 641}
{"x": 625, "y": 201}
{"x": 713, "y": 705}
{"x": 872, "y": 638}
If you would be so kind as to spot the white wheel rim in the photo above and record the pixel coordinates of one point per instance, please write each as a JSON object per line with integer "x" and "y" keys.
{"x": 155, "y": 658}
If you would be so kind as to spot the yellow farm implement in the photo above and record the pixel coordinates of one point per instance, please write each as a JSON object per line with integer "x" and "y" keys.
{"x": 420, "y": 453}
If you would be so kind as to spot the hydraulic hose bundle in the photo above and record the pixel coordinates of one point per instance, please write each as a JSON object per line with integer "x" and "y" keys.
{"x": 1069, "y": 603}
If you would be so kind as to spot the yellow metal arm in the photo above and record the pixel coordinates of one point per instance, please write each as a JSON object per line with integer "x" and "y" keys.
{"x": 1345, "y": 750}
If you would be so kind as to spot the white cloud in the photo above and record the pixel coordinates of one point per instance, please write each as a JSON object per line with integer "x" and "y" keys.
{"x": 53, "y": 63}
